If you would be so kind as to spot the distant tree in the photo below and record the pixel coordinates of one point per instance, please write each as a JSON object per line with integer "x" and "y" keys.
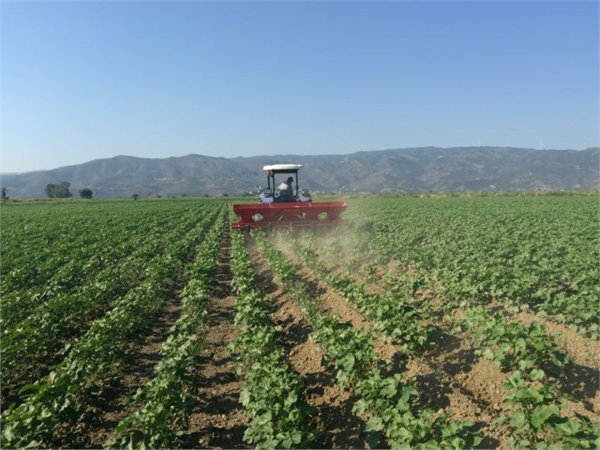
{"x": 50, "y": 188}
{"x": 86, "y": 193}
{"x": 225, "y": 194}
{"x": 60, "y": 190}
{"x": 4, "y": 197}
{"x": 136, "y": 196}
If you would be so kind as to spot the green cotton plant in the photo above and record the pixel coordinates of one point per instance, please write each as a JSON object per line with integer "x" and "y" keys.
{"x": 284, "y": 270}
{"x": 389, "y": 404}
{"x": 272, "y": 398}
{"x": 348, "y": 350}
{"x": 251, "y": 308}
{"x": 536, "y": 253}
{"x": 272, "y": 394}
{"x": 57, "y": 397}
{"x": 394, "y": 316}
{"x": 165, "y": 398}
{"x": 26, "y": 346}
{"x": 255, "y": 341}
{"x": 536, "y": 420}
{"x": 511, "y": 345}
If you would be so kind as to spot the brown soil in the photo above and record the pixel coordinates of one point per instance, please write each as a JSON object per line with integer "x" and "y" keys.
{"x": 580, "y": 377}
{"x": 332, "y": 417}
{"x": 217, "y": 419}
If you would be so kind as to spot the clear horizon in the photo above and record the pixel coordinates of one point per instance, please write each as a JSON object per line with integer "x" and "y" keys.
{"x": 91, "y": 80}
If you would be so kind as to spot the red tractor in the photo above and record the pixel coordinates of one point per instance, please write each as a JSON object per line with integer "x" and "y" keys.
{"x": 285, "y": 205}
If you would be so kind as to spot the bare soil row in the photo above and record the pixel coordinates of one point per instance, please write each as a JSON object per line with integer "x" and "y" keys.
{"x": 217, "y": 419}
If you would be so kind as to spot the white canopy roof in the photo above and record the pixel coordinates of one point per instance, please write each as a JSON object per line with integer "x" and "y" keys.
{"x": 283, "y": 167}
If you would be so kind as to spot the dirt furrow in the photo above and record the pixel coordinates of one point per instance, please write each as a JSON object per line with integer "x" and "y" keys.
{"x": 333, "y": 418}
{"x": 579, "y": 378}
{"x": 217, "y": 419}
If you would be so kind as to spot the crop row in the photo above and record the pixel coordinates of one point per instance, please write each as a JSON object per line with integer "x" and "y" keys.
{"x": 390, "y": 403}
{"x": 272, "y": 392}
{"x": 27, "y": 345}
{"x": 73, "y": 269}
{"x": 166, "y": 397}
{"x": 49, "y": 251}
{"x": 394, "y": 314}
{"x": 525, "y": 353}
{"x": 58, "y": 397}
{"x": 538, "y": 253}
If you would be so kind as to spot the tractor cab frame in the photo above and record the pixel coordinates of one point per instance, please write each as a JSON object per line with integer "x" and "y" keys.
{"x": 285, "y": 169}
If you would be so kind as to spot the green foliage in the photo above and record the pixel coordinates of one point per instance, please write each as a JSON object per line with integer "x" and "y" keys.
{"x": 478, "y": 251}
{"x": 96, "y": 355}
{"x": 273, "y": 400}
{"x": 386, "y": 401}
{"x": 272, "y": 394}
{"x": 86, "y": 193}
{"x": 536, "y": 420}
{"x": 58, "y": 396}
{"x": 540, "y": 253}
{"x": 36, "y": 321}
{"x": 511, "y": 345}
{"x": 348, "y": 350}
{"x": 395, "y": 315}
{"x": 165, "y": 397}
{"x": 95, "y": 275}
{"x": 60, "y": 190}
{"x": 390, "y": 406}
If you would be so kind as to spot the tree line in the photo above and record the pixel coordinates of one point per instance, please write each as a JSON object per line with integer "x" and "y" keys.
{"x": 61, "y": 190}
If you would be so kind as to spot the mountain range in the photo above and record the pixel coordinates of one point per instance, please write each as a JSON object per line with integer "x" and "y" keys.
{"x": 396, "y": 170}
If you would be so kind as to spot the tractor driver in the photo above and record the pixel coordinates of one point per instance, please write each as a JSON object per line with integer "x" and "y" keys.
{"x": 285, "y": 189}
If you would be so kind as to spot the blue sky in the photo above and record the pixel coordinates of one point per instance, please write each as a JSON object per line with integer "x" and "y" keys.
{"x": 88, "y": 80}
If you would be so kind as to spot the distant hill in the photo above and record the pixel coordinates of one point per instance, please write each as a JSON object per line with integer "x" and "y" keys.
{"x": 398, "y": 170}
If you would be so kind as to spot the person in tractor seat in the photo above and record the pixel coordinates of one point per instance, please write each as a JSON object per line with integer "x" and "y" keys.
{"x": 285, "y": 191}
{"x": 266, "y": 196}
{"x": 305, "y": 196}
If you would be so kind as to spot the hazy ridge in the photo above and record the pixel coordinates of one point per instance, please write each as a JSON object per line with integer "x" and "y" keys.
{"x": 396, "y": 170}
